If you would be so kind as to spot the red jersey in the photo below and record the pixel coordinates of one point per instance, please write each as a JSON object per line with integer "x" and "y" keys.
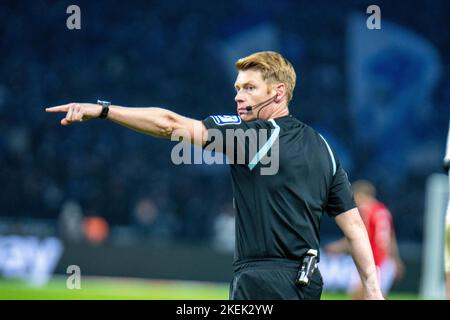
{"x": 380, "y": 227}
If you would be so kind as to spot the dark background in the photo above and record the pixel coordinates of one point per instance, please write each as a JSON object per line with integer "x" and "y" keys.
{"x": 171, "y": 54}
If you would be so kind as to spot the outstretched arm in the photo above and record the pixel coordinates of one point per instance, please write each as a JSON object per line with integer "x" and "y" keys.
{"x": 157, "y": 122}
{"x": 355, "y": 232}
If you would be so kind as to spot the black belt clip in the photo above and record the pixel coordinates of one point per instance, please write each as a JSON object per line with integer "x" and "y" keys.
{"x": 307, "y": 268}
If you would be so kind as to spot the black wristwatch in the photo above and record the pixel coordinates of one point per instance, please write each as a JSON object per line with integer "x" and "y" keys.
{"x": 105, "y": 108}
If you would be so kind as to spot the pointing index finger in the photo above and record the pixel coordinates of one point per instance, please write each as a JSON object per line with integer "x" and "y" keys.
{"x": 62, "y": 108}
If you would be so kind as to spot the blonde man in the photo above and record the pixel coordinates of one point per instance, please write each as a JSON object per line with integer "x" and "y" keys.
{"x": 284, "y": 177}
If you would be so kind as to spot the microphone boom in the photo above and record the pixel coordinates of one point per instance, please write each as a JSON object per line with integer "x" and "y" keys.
{"x": 261, "y": 104}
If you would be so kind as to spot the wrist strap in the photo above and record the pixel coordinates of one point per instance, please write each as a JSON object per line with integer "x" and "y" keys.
{"x": 105, "y": 108}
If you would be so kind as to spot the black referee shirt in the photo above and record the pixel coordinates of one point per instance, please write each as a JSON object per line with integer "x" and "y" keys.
{"x": 278, "y": 215}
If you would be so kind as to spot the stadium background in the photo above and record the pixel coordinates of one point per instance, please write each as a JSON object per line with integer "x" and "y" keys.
{"x": 114, "y": 198}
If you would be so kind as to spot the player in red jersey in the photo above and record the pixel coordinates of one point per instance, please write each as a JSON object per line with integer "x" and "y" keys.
{"x": 380, "y": 228}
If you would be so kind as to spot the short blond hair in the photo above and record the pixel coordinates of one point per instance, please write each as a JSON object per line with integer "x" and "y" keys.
{"x": 273, "y": 67}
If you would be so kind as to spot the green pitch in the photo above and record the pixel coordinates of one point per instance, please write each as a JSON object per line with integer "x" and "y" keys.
{"x": 132, "y": 289}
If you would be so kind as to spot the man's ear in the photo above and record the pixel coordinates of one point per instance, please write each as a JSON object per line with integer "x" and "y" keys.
{"x": 280, "y": 90}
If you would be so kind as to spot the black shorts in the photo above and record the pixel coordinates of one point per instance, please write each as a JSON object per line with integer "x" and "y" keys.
{"x": 273, "y": 280}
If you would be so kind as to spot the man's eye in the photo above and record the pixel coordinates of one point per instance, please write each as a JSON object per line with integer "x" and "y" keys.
{"x": 250, "y": 88}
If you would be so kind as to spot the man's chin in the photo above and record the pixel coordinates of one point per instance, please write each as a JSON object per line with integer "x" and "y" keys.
{"x": 247, "y": 117}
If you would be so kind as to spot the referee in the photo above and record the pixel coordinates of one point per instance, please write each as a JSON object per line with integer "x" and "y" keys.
{"x": 284, "y": 176}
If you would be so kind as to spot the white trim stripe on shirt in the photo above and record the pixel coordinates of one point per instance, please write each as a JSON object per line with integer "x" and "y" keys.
{"x": 331, "y": 154}
{"x": 265, "y": 148}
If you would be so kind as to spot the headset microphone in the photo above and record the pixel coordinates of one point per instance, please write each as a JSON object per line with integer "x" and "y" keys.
{"x": 263, "y": 104}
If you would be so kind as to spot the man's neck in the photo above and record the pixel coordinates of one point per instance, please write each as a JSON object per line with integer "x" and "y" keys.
{"x": 278, "y": 113}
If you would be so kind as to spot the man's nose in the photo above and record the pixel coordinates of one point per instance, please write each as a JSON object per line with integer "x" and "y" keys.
{"x": 238, "y": 97}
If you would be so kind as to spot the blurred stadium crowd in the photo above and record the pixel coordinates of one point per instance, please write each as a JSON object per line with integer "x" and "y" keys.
{"x": 177, "y": 55}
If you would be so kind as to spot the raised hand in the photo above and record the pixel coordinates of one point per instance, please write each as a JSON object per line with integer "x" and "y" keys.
{"x": 77, "y": 112}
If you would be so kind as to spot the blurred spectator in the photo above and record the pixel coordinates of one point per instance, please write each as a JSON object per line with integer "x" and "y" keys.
{"x": 380, "y": 229}
{"x": 96, "y": 229}
{"x": 71, "y": 221}
{"x": 224, "y": 229}
{"x": 151, "y": 223}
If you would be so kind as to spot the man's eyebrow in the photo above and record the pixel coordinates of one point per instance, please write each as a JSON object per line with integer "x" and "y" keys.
{"x": 236, "y": 85}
